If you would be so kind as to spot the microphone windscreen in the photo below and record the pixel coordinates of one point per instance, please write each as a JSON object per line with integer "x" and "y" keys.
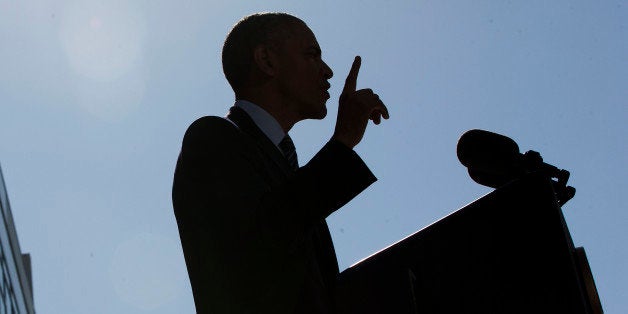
{"x": 484, "y": 150}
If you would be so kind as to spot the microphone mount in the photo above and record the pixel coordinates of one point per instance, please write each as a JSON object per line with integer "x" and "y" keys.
{"x": 533, "y": 161}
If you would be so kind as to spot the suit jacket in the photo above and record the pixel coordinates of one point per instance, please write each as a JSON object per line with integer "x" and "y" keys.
{"x": 252, "y": 229}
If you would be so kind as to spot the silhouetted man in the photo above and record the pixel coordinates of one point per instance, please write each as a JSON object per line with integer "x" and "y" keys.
{"x": 251, "y": 222}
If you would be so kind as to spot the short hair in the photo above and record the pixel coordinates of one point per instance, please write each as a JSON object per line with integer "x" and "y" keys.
{"x": 248, "y": 33}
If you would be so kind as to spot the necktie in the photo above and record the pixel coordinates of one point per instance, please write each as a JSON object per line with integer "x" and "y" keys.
{"x": 287, "y": 148}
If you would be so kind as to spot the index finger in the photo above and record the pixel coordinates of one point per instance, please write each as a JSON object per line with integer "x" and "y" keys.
{"x": 352, "y": 77}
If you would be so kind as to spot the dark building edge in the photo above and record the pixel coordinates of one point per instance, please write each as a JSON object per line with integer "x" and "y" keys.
{"x": 21, "y": 261}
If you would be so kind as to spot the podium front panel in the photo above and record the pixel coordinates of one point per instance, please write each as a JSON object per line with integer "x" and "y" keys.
{"x": 508, "y": 252}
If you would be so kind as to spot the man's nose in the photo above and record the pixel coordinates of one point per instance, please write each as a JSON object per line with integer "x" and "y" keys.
{"x": 327, "y": 71}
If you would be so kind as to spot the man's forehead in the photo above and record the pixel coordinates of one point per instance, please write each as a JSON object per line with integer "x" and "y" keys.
{"x": 303, "y": 35}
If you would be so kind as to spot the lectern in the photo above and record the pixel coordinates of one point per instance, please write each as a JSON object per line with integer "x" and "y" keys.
{"x": 508, "y": 252}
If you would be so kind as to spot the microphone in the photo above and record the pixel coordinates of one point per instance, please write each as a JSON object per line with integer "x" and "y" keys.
{"x": 494, "y": 160}
{"x": 488, "y": 151}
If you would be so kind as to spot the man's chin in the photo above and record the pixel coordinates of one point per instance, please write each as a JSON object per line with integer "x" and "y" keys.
{"x": 315, "y": 113}
{"x": 321, "y": 114}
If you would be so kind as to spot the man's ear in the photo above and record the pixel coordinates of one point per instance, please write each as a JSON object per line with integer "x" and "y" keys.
{"x": 264, "y": 58}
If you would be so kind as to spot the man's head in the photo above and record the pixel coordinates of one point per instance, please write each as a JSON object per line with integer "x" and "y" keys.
{"x": 277, "y": 54}
{"x": 270, "y": 29}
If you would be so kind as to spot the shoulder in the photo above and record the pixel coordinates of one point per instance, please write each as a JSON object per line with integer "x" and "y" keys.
{"x": 211, "y": 124}
{"x": 210, "y": 128}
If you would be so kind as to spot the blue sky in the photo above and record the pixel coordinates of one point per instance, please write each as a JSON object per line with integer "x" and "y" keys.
{"x": 95, "y": 97}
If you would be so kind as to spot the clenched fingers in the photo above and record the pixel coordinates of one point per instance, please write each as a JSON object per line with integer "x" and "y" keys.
{"x": 373, "y": 106}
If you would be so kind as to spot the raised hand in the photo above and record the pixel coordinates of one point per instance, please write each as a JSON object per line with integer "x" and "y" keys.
{"x": 356, "y": 108}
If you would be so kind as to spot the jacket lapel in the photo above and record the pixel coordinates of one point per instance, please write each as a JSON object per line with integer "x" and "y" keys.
{"x": 322, "y": 241}
{"x": 246, "y": 125}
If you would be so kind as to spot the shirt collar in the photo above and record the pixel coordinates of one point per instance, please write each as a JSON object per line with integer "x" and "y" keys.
{"x": 264, "y": 120}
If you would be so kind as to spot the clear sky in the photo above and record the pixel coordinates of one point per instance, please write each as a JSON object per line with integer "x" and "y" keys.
{"x": 95, "y": 97}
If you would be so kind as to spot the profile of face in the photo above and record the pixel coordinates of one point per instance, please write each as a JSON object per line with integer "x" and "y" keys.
{"x": 302, "y": 76}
